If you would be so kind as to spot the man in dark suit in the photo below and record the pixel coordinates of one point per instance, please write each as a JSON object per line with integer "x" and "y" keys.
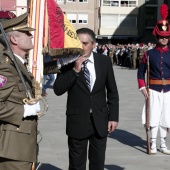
{"x": 89, "y": 116}
{"x": 18, "y": 121}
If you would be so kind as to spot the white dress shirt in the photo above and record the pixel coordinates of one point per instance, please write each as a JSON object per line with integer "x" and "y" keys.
{"x": 21, "y": 59}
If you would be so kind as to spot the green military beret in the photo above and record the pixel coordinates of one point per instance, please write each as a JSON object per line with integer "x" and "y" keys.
{"x": 19, "y": 23}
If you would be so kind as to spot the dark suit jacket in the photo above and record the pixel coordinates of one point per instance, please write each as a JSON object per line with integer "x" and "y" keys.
{"x": 18, "y": 136}
{"x": 80, "y": 100}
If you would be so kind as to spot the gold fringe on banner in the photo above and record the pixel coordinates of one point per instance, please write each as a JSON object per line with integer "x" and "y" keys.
{"x": 60, "y": 52}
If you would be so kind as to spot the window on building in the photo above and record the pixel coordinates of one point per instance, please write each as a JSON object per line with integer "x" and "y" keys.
{"x": 120, "y": 3}
{"x": 116, "y": 20}
{"x": 109, "y": 21}
{"x": 72, "y": 18}
{"x": 60, "y": 1}
{"x": 152, "y": 2}
{"x": 124, "y": 3}
{"x": 132, "y": 4}
{"x": 114, "y": 3}
{"x": 82, "y": 18}
{"x": 83, "y": 0}
{"x": 151, "y": 17}
{"x": 110, "y": 3}
{"x": 127, "y": 21}
{"x": 71, "y": 0}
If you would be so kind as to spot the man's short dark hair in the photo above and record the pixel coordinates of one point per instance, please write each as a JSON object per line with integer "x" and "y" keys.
{"x": 87, "y": 31}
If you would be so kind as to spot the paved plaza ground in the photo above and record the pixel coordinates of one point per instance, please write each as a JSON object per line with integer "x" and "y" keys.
{"x": 126, "y": 147}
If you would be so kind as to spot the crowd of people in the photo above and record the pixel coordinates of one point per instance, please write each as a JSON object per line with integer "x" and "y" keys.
{"x": 125, "y": 55}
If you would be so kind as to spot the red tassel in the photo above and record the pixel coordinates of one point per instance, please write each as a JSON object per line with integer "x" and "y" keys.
{"x": 164, "y": 11}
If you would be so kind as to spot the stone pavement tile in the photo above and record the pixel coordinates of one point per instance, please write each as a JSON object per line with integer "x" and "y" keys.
{"x": 126, "y": 147}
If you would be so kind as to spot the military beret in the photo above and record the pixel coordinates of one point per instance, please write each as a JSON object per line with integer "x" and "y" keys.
{"x": 19, "y": 23}
{"x": 7, "y": 15}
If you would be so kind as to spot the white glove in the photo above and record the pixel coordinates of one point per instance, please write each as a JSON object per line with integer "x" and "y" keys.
{"x": 31, "y": 110}
{"x": 64, "y": 61}
{"x": 38, "y": 107}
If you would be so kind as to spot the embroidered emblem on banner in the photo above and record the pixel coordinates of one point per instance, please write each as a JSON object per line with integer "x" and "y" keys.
{"x": 3, "y": 81}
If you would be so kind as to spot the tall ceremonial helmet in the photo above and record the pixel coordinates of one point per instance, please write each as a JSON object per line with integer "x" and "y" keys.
{"x": 162, "y": 27}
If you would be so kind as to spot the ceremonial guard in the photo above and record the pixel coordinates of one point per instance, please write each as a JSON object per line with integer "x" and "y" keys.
{"x": 159, "y": 83}
{"x": 18, "y": 120}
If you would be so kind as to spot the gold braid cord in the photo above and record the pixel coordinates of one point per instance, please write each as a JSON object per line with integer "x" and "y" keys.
{"x": 60, "y": 51}
{"x": 38, "y": 90}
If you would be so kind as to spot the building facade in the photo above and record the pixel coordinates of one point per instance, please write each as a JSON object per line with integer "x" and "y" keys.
{"x": 18, "y": 7}
{"x": 118, "y": 21}
{"x": 81, "y": 13}
{"x": 113, "y": 21}
{"x": 129, "y": 21}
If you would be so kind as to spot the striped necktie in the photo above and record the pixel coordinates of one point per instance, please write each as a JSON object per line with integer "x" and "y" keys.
{"x": 86, "y": 74}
